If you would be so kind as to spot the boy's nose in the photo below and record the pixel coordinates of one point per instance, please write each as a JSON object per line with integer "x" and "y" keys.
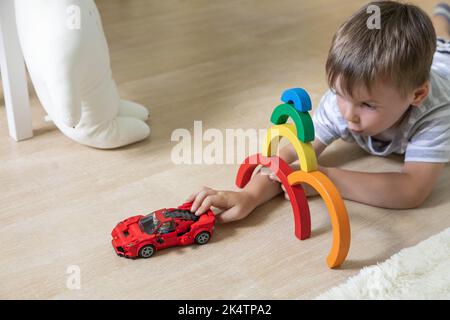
{"x": 350, "y": 115}
{"x": 354, "y": 119}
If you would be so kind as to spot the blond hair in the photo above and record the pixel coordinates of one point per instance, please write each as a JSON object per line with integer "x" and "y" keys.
{"x": 400, "y": 51}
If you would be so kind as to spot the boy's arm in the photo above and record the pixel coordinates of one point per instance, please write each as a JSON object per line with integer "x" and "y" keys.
{"x": 402, "y": 190}
{"x": 237, "y": 205}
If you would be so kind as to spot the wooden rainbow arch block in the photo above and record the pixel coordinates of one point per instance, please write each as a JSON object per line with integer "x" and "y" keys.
{"x": 300, "y": 134}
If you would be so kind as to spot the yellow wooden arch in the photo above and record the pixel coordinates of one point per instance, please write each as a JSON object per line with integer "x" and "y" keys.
{"x": 305, "y": 151}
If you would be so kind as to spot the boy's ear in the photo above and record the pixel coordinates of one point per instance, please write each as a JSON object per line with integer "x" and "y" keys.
{"x": 420, "y": 94}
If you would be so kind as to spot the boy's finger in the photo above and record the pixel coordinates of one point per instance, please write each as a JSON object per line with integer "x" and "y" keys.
{"x": 211, "y": 200}
{"x": 200, "y": 197}
{"x": 274, "y": 177}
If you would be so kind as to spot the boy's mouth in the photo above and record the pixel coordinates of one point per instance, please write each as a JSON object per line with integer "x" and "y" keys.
{"x": 356, "y": 130}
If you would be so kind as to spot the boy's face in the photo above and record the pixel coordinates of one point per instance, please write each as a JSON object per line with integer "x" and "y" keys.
{"x": 371, "y": 113}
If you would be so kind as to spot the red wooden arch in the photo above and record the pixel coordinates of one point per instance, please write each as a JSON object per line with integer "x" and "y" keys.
{"x": 297, "y": 196}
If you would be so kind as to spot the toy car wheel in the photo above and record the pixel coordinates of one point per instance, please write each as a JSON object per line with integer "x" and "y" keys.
{"x": 203, "y": 237}
{"x": 146, "y": 251}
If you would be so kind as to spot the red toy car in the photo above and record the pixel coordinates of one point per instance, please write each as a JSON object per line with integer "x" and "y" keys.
{"x": 141, "y": 236}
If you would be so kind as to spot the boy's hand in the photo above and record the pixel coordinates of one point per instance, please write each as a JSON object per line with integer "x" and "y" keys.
{"x": 310, "y": 192}
{"x": 235, "y": 205}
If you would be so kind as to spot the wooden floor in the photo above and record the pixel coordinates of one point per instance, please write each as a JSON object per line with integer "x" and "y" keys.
{"x": 225, "y": 63}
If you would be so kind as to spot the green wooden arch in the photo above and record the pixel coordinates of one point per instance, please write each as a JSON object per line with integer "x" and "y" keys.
{"x": 302, "y": 120}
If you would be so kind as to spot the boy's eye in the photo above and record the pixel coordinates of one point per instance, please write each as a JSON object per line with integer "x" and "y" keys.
{"x": 368, "y": 105}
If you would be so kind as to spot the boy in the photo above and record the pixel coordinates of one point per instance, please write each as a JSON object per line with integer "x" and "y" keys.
{"x": 388, "y": 95}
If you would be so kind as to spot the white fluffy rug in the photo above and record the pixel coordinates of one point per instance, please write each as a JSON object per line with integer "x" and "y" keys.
{"x": 419, "y": 272}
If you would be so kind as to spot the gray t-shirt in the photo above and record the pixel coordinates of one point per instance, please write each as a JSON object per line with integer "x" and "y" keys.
{"x": 423, "y": 135}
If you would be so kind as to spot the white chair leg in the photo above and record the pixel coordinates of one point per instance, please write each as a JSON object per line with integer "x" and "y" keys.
{"x": 13, "y": 75}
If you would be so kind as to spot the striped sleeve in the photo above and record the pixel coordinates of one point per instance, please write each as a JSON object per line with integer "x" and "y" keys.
{"x": 441, "y": 59}
{"x": 443, "y": 46}
{"x": 328, "y": 122}
{"x": 431, "y": 141}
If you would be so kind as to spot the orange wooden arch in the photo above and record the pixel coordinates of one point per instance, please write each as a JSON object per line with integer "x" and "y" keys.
{"x": 336, "y": 209}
